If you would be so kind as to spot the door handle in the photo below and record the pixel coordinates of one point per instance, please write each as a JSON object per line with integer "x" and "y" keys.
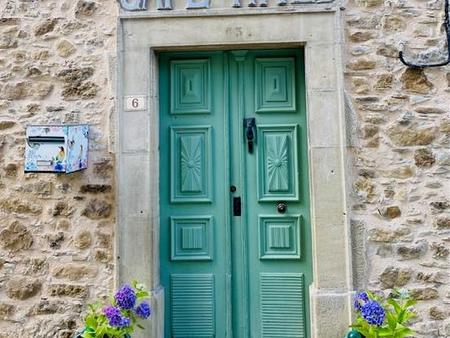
{"x": 250, "y": 132}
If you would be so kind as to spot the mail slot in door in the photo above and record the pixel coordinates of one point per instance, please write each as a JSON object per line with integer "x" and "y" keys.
{"x": 56, "y": 148}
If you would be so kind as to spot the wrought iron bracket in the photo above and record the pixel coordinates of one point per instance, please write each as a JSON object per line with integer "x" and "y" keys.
{"x": 447, "y": 34}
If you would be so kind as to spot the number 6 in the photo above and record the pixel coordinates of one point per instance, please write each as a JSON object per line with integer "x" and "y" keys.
{"x": 135, "y": 103}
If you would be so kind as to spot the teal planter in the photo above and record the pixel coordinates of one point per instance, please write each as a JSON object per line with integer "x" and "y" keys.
{"x": 354, "y": 334}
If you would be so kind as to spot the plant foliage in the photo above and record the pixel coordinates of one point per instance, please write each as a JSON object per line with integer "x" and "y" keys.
{"x": 384, "y": 318}
{"x": 119, "y": 318}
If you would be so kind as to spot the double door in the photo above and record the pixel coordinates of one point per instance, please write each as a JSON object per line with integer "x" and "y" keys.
{"x": 234, "y": 211}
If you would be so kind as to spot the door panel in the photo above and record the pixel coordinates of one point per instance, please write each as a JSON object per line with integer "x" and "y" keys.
{"x": 242, "y": 275}
{"x": 278, "y": 240}
{"x": 277, "y": 168}
{"x": 193, "y": 194}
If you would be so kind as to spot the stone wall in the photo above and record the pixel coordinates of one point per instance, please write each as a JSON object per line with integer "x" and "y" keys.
{"x": 401, "y": 202}
{"x": 57, "y": 60}
{"x": 56, "y": 231}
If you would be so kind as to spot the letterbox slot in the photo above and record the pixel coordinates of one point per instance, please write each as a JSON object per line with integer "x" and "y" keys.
{"x": 53, "y": 139}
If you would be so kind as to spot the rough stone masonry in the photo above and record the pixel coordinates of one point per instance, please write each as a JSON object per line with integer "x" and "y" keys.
{"x": 56, "y": 231}
{"x": 401, "y": 203}
{"x": 57, "y": 60}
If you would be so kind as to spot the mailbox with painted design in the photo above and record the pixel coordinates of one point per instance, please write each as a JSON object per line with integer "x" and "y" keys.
{"x": 56, "y": 148}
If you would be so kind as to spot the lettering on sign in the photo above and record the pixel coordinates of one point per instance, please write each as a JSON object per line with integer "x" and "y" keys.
{"x": 133, "y": 5}
{"x": 134, "y": 103}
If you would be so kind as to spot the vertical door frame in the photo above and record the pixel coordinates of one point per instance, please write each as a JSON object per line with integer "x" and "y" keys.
{"x": 137, "y": 229}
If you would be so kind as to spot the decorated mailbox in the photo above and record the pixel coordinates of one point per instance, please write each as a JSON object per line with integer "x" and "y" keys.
{"x": 56, "y": 148}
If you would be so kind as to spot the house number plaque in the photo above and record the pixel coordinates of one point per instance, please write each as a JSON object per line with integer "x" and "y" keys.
{"x": 134, "y": 103}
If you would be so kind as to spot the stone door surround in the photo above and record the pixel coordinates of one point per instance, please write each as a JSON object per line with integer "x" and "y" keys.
{"x": 137, "y": 235}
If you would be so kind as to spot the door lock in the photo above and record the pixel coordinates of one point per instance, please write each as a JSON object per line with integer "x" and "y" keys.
{"x": 281, "y": 207}
{"x": 236, "y": 206}
{"x": 250, "y": 132}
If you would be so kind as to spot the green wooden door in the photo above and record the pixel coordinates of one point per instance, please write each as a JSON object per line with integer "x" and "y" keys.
{"x": 234, "y": 211}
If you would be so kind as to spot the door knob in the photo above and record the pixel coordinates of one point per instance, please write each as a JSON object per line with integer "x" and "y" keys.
{"x": 281, "y": 207}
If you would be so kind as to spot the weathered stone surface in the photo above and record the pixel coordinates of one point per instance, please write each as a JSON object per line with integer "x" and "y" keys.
{"x": 36, "y": 266}
{"x": 97, "y": 209}
{"x": 398, "y": 172}
{"x": 424, "y": 158}
{"x": 75, "y": 75}
{"x": 388, "y": 50}
{"x": 445, "y": 126}
{"x": 73, "y": 272}
{"x": 68, "y": 290}
{"x": 393, "y": 277}
{"x": 75, "y": 84}
{"x": 45, "y": 307}
{"x": 103, "y": 167}
{"x": 362, "y": 64}
{"x": 20, "y": 206}
{"x": 86, "y": 90}
{"x": 360, "y": 85}
{"x": 369, "y": 130}
{"x": 412, "y": 251}
{"x": 387, "y": 235}
{"x": 437, "y": 313}
{"x": 8, "y": 42}
{"x": 438, "y": 277}
{"x": 49, "y": 48}
{"x": 384, "y": 81}
{"x": 11, "y": 170}
{"x": 103, "y": 240}
{"x": 362, "y": 36}
{"x": 16, "y": 237}
{"x": 6, "y": 310}
{"x": 95, "y": 188}
{"x": 430, "y": 110}
{"x": 62, "y": 208}
{"x": 440, "y": 205}
{"x": 440, "y": 250}
{"x": 45, "y": 27}
{"x": 102, "y": 256}
{"x": 391, "y": 212}
{"x": 55, "y": 240}
{"x": 411, "y": 135}
{"x": 83, "y": 240}
{"x": 41, "y": 90}
{"x": 16, "y": 91}
{"x": 6, "y": 124}
{"x": 365, "y": 188}
{"x": 443, "y": 222}
{"x": 415, "y": 80}
{"x": 65, "y": 48}
{"x": 23, "y": 288}
{"x": 424, "y": 293}
{"x": 85, "y": 8}
{"x": 393, "y": 23}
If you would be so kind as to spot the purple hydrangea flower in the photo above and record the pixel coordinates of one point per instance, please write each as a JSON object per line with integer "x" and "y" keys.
{"x": 126, "y": 297}
{"x": 373, "y": 313}
{"x": 114, "y": 316}
{"x": 143, "y": 310}
{"x": 125, "y": 322}
{"x": 360, "y": 299}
